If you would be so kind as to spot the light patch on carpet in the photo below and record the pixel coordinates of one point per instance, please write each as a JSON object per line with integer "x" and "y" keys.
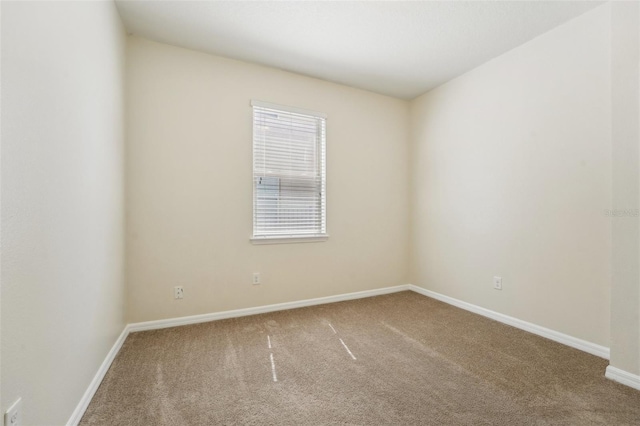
{"x": 411, "y": 340}
{"x": 161, "y": 393}
{"x": 273, "y": 368}
{"x": 347, "y": 348}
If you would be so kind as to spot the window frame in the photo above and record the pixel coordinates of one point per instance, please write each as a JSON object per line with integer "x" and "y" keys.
{"x": 322, "y": 147}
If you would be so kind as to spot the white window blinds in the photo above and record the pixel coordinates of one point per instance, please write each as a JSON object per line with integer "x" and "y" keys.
{"x": 289, "y": 178}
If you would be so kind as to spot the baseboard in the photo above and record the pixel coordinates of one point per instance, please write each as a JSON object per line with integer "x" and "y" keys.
{"x": 623, "y": 377}
{"x": 195, "y": 319}
{"x": 97, "y": 379}
{"x": 565, "y": 339}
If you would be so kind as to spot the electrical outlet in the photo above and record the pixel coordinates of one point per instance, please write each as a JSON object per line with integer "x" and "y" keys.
{"x": 497, "y": 283}
{"x": 13, "y": 416}
{"x": 256, "y": 278}
{"x": 178, "y": 292}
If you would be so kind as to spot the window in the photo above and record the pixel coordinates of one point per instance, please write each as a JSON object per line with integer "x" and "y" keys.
{"x": 289, "y": 177}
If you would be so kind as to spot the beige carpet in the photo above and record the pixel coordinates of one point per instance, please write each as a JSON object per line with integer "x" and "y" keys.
{"x": 392, "y": 360}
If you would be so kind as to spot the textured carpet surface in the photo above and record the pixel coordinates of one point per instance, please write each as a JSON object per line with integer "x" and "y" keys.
{"x": 389, "y": 360}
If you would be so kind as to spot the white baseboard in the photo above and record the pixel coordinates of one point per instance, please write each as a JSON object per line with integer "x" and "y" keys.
{"x": 621, "y": 376}
{"x": 195, "y": 319}
{"x": 97, "y": 379}
{"x": 565, "y": 339}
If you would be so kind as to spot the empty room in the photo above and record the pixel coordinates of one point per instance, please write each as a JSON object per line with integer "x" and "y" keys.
{"x": 320, "y": 213}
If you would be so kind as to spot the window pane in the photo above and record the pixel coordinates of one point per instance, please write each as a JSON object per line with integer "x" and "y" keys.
{"x": 288, "y": 173}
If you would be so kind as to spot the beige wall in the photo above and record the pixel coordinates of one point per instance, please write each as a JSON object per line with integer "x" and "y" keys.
{"x": 511, "y": 174}
{"x": 625, "y": 291}
{"x": 189, "y": 187}
{"x": 62, "y": 201}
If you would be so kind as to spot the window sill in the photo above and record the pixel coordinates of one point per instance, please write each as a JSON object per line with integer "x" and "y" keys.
{"x": 290, "y": 240}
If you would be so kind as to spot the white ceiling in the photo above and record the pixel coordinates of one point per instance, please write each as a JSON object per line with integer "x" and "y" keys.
{"x": 396, "y": 48}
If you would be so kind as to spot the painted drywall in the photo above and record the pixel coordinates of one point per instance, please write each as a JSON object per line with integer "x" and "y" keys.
{"x": 400, "y": 49}
{"x": 62, "y": 201}
{"x": 625, "y": 290}
{"x": 511, "y": 177}
{"x": 189, "y": 187}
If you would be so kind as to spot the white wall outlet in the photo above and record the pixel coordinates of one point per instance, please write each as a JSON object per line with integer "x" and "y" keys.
{"x": 13, "y": 416}
{"x": 256, "y": 278}
{"x": 178, "y": 292}
{"x": 497, "y": 283}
